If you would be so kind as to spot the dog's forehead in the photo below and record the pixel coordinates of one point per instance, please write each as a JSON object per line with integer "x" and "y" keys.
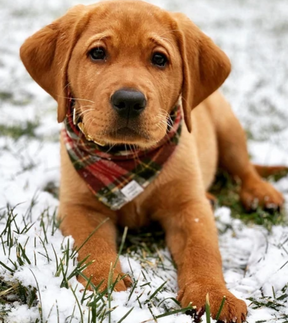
{"x": 129, "y": 20}
{"x": 116, "y": 9}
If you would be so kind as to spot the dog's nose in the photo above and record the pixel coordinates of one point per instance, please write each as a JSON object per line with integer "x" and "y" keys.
{"x": 128, "y": 103}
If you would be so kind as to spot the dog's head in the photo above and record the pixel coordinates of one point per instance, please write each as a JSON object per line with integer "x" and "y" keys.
{"x": 127, "y": 64}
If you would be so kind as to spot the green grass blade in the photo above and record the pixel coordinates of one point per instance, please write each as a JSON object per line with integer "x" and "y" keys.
{"x": 124, "y": 317}
{"x": 207, "y": 309}
{"x": 220, "y": 308}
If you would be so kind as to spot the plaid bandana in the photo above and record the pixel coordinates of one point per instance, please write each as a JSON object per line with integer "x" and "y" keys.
{"x": 116, "y": 176}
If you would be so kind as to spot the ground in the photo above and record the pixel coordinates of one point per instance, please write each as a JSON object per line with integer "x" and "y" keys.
{"x": 37, "y": 264}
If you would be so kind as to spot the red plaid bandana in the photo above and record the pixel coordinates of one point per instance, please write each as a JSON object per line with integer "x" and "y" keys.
{"x": 113, "y": 175}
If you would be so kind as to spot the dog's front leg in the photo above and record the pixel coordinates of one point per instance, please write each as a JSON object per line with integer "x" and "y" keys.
{"x": 98, "y": 243}
{"x": 192, "y": 238}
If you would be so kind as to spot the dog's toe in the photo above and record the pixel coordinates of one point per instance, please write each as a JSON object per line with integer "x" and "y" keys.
{"x": 233, "y": 310}
{"x": 261, "y": 194}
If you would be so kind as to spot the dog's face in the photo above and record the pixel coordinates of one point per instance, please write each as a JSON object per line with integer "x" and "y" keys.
{"x": 128, "y": 74}
{"x": 126, "y": 64}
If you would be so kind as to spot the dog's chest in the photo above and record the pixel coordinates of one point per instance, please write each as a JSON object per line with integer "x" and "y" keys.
{"x": 133, "y": 215}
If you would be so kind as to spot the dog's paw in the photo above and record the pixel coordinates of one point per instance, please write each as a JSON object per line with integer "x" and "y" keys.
{"x": 234, "y": 309}
{"x": 100, "y": 278}
{"x": 261, "y": 194}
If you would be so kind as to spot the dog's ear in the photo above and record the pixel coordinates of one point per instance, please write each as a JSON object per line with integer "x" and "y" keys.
{"x": 205, "y": 65}
{"x": 46, "y": 54}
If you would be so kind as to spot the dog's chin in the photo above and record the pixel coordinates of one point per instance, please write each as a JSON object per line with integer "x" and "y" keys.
{"x": 129, "y": 136}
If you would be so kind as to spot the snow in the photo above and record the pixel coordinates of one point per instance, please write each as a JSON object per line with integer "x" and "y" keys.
{"x": 254, "y": 36}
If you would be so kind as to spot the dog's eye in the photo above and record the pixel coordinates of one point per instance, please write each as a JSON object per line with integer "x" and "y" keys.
{"x": 159, "y": 59}
{"x": 97, "y": 54}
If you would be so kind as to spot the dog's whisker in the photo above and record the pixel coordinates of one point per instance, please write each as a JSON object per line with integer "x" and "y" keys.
{"x": 66, "y": 86}
{"x": 111, "y": 146}
{"x": 134, "y": 154}
{"x": 164, "y": 112}
{"x": 161, "y": 126}
{"x": 76, "y": 99}
{"x": 80, "y": 114}
{"x": 85, "y": 106}
{"x": 86, "y": 100}
{"x": 90, "y": 121}
{"x": 167, "y": 124}
{"x": 169, "y": 118}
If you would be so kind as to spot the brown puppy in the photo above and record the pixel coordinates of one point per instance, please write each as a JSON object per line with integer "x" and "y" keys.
{"x": 152, "y": 59}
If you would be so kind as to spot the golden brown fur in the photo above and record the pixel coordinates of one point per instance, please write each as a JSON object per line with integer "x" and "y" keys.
{"x": 56, "y": 57}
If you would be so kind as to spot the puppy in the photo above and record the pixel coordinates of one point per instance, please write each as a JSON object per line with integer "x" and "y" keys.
{"x": 126, "y": 76}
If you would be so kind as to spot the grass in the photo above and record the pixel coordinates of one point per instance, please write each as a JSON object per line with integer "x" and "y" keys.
{"x": 97, "y": 303}
{"x": 142, "y": 245}
{"x": 6, "y": 96}
{"x": 227, "y": 192}
{"x": 16, "y": 131}
{"x": 15, "y": 291}
{"x": 275, "y": 302}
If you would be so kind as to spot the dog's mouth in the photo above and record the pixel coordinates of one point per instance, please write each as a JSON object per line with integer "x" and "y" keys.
{"x": 135, "y": 134}
{"x": 138, "y": 133}
{"x": 117, "y": 133}
{"x": 120, "y": 136}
